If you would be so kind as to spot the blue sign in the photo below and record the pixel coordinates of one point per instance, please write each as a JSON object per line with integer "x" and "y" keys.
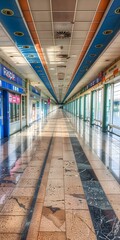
{"x": 11, "y": 87}
{"x": 7, "y": 73}
{"x": 34, "y": 90}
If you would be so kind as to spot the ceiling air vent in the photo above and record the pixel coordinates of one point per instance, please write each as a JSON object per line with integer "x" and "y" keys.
{"x": 61, "y": 76}
{"x": 61, "y": 66}
{"x": 63, "y": 56}
{"x": 62, "y": 34}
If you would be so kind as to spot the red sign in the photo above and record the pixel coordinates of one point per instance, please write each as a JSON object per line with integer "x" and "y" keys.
{"x": 14, "y": 98}
{"x": 49, "y": 101}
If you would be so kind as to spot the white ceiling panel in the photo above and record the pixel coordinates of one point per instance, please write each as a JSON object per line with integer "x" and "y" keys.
{"x": 79, "y": 34}
{"x": 82, "y": 26}
{"x": 48, "y": 42}
{"x": 41, "y": 16}
{"x": 77, "y": 41}
{"x": 5, "y": 44}
{"x": 87, "y": 5}
{"x": 43, "y": 26}
{"x": 62, "y": 26}
{"x": 39, "y": 5}
{"x": 85, "y": 16}
{"x": 45, "y": 34}
{"x": 62, "y": 42}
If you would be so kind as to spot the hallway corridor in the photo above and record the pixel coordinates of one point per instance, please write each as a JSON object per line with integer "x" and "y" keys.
{"x": 53, "y": 185}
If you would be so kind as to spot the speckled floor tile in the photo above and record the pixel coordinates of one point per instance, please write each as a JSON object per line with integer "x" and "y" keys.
{"x": 36, "y": 163}
{"x": 55, "y": 183}
{"x": 59, "y": 204}
{"x": 104, "y": 175}
{"x": 75, "y": 201}
{"x": 51, "y": 236}
{"x": 97, "y": 165}
{"x": 35, "y": 222}
{"x": 55, "y": 193}
{"x": 79, "y": 225}
{"x": 16, "y": 206}
{"x": 11, "y": 224}
{"x": 110, "y": 187}
{"x": 23, "y": 192}
{"x": 41, "y": 193}
{"x": 10, "y": 236}
{"x": 74, "y": 190}
{"x": 53, "y": 219}
{"x": 5, "y": 192}
{"x": 24, "y": 182}
{"x": 115, "y": 202}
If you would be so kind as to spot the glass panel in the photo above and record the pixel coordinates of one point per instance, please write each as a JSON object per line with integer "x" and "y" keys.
{"x": 14, "y": 107}
{"x": 94, "y": 106}
{"x": 116, "y": 107}
{"x": 81, "y": 107}
{"x": 98, "y": 107}
{"x": 24, "y": 107}
{"x": 108, "y": 107}
{"x": 87, "y": 107}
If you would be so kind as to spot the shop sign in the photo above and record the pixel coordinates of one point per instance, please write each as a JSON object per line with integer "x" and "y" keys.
{"x": 10, "y": 75}
{"x": 48, "y": 101}
{"x": 14, "y": 98}
{"x": 11, "y": 87}
{"x": 112, "y": 71}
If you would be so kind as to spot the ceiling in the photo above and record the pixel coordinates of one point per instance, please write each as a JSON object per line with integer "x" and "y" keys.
{"x": 59, "y": 45}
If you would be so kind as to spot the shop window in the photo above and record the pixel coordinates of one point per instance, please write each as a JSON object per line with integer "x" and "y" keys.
{"x": 116, "y": 107}
{"x": 24, "y": 107}
{"x": 14, "y": 107}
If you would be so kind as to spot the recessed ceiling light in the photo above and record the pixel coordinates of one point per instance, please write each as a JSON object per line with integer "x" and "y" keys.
{"x": 117, "y": 11}
{"x": 92, "y": 55}
{"x": 52, "y": 68}
{"x": 26, "y": 46}
{"x": 107, "y": 32}
{"x": 99, "y": 45}
{"x": 7, "y": 12}
{"x": 31, "y": 56}
{"x": 19, "y": 34}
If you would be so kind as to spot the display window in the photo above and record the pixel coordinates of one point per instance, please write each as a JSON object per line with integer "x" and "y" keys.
{"x": 24, "y": 112}
{"x": 14, "y": 104}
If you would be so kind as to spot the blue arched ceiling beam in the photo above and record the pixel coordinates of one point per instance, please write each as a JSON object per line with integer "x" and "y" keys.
{"x": 110, "y": 22}
{"x": 16, "y": 23}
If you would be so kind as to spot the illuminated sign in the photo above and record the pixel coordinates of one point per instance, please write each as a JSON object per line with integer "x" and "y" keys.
{"x": 14, "y": 98}
{"x": 8, "y": 74}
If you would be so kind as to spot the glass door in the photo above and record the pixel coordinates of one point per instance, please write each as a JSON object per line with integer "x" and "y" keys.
{"x": 116, "y": 108}
{"x": 87, "y": 107}
{"x": 98, "y": 107}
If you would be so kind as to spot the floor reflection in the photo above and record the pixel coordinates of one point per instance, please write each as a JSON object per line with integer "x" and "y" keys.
{"x": 105, "y": 145}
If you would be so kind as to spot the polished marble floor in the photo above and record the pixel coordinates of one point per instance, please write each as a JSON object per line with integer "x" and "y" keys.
{"x": 59, "y": 181}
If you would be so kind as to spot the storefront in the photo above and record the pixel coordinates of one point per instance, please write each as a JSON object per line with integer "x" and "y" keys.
{"x": 35, "y": 108}
{"x": 112, "y": 81}
{"x": 11, "y": 89}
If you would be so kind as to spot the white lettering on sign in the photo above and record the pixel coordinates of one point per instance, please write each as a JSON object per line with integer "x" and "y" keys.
{"x": 9, "y": 74}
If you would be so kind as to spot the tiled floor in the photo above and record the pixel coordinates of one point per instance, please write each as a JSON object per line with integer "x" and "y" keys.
{"x": 66, "y": 193}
